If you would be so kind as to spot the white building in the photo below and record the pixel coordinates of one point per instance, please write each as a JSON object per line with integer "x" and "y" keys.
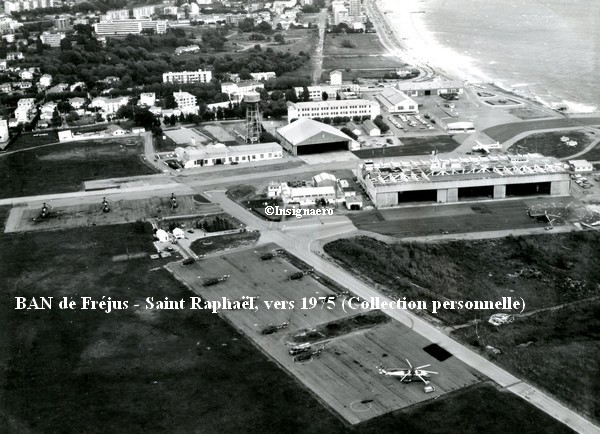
{"x": 396, "y": 101}
{"x": 340, "y": 13}
{"x": 129, "y": 27}
{"x": 333, "y": 108}
{"x": 220, "y": 154}
{"x": 143, "y": 12}
{"x": 109, "y": 105}
{"x": 77, "y": 102}
{"x": 301, "y": 195}
{"x": 116, "y": 14}
{"x": 581, "y": 166}
{"x": 148, "y": 99}
{"x": 45, "y": 80}
{"x": 354, "y": 9}
{"x": 200, "y": 76}
{"x": 47, "y": 110}
{"x": 52, "y": 39}
{"x": 26, "y": 5}
{"x": 237, "y": 91}
{"x": 186, "y": 102}
{"x": 315, "y": 93}
{"x": 262, "y": 76}
{"x": 335, "y": 78}
{"x": 4, "y": 136}
{"x": 25, "y": 110}
{"x": 371, "y": 129}
{"x": 14, "y": 55}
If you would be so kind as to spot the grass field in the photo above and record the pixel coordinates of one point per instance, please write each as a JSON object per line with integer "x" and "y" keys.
{"x": 64, "y": 167}
{"x": 224, "y": 242}
{"x": 362, "y": 62}
{"x": 557, "y": 350}
{"x": 29, "y": 140}
{"x": 591, "y": 155}
{"x": 550, "y": 144}
{"x": 366, "y": 44}
{"x": 546, "y": 271}
{"x": 137, "y": 371}
{"x": 132, "y": 370}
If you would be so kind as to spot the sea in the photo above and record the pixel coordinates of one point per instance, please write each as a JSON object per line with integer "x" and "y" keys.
{"x": 544, "y": 49}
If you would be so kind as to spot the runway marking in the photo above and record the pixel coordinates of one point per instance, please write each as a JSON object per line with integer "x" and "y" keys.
{"x": 362, "y": 407}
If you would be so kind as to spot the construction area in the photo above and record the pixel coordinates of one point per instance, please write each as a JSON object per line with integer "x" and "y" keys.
{"x": 343, "y": 372}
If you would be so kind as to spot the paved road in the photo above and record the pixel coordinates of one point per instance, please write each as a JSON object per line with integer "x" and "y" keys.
{"x": 318, "y": 56}
{"x": 298, "y": 238}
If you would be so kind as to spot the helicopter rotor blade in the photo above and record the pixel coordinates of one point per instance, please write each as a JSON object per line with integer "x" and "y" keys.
{"x": 423, "y": 379}
{"x": 424, "y": 366}
{"x": 405, "y": 375}
{"x": 409, "y": 363}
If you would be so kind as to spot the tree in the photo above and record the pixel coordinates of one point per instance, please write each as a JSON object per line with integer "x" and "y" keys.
{"x": 143, "y": 117}
{"x": 64, "y": 107}
{"x": 246, "y": 25}
{"x": 65, "y": 44}
{"x": 56, "y": 119}
{"x": 125, "y": 112}
{"x": 290, "y": 95}
{"x": 347, "y": 131}
{"x": 324, "y": 96}
{"x": 264, "y": 27}
{"x": 170, "y": 102}
{"x": 279, "y": 39}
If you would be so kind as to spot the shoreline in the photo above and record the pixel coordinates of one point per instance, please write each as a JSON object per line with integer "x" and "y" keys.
{"x": 416, "y": 44}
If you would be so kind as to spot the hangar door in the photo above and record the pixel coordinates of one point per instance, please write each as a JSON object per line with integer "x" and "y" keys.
{"x": 528, "y": 189}
{"x": 323, "y": 147}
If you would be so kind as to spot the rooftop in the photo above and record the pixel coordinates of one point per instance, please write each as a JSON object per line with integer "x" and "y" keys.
{"x": 435, "y": 169}
{"x": 305, "y": 128}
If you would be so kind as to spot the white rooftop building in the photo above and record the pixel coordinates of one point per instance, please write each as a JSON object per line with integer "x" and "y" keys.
{"x": 333, "y": 108}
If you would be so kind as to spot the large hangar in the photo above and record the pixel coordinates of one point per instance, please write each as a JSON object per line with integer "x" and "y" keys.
{"x": 390, "y": 183}
{"x": 306, "y": 136}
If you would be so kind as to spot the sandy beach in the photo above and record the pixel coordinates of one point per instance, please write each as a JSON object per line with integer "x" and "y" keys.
{"x": 418, "y": 44}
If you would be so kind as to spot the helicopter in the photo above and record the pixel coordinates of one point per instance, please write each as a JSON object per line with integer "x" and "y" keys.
{"x": 408, "y": 375}
{"x": 299, "y": 274}
{"x": 270, "y": 329}
{"x": 309, "y": 354}
{"x": 105, "y": 206}
{"x": 174, "y": 203}
{"x": 545, "y": 217}
{"x": 44, "y": 213}
{"x": 214, "y": 280}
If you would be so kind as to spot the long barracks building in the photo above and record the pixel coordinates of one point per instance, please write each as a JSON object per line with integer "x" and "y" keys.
{"x": 392, "y": 183}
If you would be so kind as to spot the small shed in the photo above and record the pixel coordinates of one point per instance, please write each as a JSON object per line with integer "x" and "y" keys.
{"x": 581, "y": 166}
{"x": 371, "y": 129}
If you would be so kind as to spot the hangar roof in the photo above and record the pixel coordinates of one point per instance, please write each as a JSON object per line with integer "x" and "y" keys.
{"x": 432, "y": 170}
{"x": 305, "y": 128}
